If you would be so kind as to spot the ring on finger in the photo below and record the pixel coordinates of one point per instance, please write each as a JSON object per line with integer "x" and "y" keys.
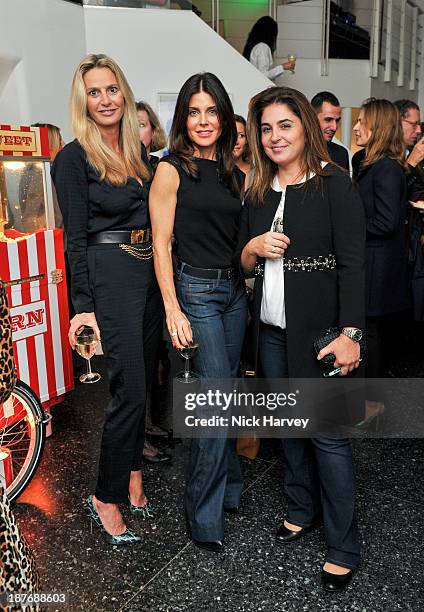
{"x": 174, "y": 334}
{"x": 273, "y": 249}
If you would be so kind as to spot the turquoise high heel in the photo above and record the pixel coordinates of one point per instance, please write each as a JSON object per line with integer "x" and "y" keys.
{"x": 128, "y": 538}
{"x": 145, "y": 511}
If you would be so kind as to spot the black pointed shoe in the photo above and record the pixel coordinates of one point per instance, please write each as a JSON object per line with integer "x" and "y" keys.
{"x": 335, "y": 583}
{"x": 285, "y": 535}
{"x": 214, "y": 547}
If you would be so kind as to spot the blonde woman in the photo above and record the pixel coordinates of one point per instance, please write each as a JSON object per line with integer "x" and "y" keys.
{"x": 102, "y": 180}
{"x": 151, "y": 133}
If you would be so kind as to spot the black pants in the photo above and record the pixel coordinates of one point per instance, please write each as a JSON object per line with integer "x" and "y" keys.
{"x": 318, "y": 472}
{"x": 129, "y": 312}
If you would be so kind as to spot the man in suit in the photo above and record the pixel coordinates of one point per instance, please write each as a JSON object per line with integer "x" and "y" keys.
{"x": 329, "y": 112}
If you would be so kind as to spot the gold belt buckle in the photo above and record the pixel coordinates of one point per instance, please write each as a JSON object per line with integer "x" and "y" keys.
{"x": 137, "y": 236}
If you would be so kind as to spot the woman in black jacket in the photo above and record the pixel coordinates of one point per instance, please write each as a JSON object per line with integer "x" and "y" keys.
{"x": 382, "y": 185}
{"x": 322, "y": 215}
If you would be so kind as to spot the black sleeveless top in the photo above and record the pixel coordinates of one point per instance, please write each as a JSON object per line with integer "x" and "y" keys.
{"x": 207, "y": 216}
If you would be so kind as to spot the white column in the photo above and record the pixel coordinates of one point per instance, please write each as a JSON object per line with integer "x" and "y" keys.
{"x": 346, "y": 126}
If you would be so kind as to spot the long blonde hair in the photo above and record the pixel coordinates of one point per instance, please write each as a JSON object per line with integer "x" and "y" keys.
{"x": 106, "y": 161}
{"x": 383, "y": 119}
{"x": 315, "y": 149}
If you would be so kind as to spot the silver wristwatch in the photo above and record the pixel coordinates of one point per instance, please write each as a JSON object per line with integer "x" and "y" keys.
{"x": 353, "y": 333}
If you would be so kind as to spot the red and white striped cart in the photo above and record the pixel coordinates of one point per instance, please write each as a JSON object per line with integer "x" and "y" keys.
{"x": 32, "y": 264}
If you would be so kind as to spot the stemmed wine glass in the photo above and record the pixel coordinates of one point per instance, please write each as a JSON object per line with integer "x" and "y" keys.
{"x": 187, "y": 375}
{"x": 86, "y": 344}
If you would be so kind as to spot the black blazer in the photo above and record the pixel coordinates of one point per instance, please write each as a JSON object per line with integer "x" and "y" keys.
{"x": 339, "y": 155}
{"x": 383, "y": 191}
{"x": 318, "y": 221}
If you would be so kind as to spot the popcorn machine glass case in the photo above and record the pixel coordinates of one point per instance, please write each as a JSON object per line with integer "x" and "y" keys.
{"x": 32, "y": 263}
{"x": 25, "y": 188}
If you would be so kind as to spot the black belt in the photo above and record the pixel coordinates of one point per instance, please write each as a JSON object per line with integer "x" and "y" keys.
{"x": 303, "y": 264}
{"x": 225, "y": 273}
{"x": 137, "y": 236}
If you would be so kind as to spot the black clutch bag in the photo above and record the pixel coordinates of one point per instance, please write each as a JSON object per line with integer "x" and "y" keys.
{"x": 328, "y": 336}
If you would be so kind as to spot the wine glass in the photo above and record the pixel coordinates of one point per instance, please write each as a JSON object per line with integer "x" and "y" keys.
{"x": 292, "y": 58}
{"x": 188, "y": 376}
{"x": 85, "y": 346}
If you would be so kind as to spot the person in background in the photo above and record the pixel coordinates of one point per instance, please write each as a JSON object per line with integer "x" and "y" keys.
{"x": 153, "y": 137}
{"x": 152, "y": 134}
{"x": 260, "y": 47}
{"x": 329, "y": 113}
{"x": 382, "y": 185}
{"x": 197, "y": 196}
{"x": 102, "y": 180}
{"x": 295, "y": 183}
{"x": 412, "y": 135}
{"x": 241, "y": 151}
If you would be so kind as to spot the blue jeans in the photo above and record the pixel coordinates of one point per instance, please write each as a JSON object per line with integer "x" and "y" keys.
{"x": 217, "y": 312}
{"x": 318, "y": 472}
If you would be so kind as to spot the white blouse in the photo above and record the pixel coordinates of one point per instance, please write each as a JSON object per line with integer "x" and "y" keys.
{"x": 273, "y": 310}
{"x": 261, "y": 58}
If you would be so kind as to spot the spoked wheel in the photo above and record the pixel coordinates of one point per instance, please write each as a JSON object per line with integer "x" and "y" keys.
{"x": 22, "y": 437}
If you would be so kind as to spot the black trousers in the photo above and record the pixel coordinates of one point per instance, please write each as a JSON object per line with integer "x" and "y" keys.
{"x": 129, "y": 312}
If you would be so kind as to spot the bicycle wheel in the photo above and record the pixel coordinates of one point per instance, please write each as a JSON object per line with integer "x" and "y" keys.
{"x": 22, "y": 437}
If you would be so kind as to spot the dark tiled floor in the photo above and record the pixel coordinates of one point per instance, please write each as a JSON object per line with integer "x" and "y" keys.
{"x": 168, "y": 574}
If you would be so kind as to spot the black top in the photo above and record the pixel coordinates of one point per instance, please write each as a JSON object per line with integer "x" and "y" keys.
{"x": 207, "y": 216}
{"x": 89, "y": 206}
{"x": 338, "y": 155}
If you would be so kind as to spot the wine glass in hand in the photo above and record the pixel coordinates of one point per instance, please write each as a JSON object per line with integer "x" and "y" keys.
{"x": 187, "y": 376}
{"x": 86, "y": 343}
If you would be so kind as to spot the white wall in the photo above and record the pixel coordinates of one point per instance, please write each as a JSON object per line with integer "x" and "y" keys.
{"x": 41, "y": 43}
{"x": 348, "y": 79}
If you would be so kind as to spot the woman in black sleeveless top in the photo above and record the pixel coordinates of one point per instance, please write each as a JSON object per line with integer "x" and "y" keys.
{"x": 196, "y": 194}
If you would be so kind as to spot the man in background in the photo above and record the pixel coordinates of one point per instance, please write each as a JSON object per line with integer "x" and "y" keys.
{"x": 329, "y": 113}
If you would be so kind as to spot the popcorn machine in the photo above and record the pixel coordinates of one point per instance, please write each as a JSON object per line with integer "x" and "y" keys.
{"x": 32, "y": 263}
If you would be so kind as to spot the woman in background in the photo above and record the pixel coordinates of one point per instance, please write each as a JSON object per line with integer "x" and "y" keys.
{"x": 382, "y": 184}
{"x": 260, "y": 47}
{"x": 102, "y": 180}
{"x": 241, "y": 151}
{"x": 153, "y": 137}
{"x": 152, "y": 134}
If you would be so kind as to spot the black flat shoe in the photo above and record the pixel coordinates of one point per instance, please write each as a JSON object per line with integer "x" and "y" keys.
{"x": 158, "y": 458}
{"x": 231, "y": 510}
{"x": 335, "y": 583}
{"x": 285, "y": 535}
{"x": 215, "y": 547}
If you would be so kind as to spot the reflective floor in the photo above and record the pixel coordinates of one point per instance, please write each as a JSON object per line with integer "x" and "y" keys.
{"x": 169, "y": 574}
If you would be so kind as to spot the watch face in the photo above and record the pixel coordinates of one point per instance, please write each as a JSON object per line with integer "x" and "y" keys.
{"x": 357, "y": 335}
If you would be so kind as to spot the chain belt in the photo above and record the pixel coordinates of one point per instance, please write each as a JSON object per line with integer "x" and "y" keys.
{"x": 303, "y": 264}
{"x": 138, "y": 252}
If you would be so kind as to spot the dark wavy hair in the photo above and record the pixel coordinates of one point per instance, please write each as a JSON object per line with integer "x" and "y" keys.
{"x": 315, "y": 150}
{"x": 179, "y": 141}
{"x": 264, "y": 30}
